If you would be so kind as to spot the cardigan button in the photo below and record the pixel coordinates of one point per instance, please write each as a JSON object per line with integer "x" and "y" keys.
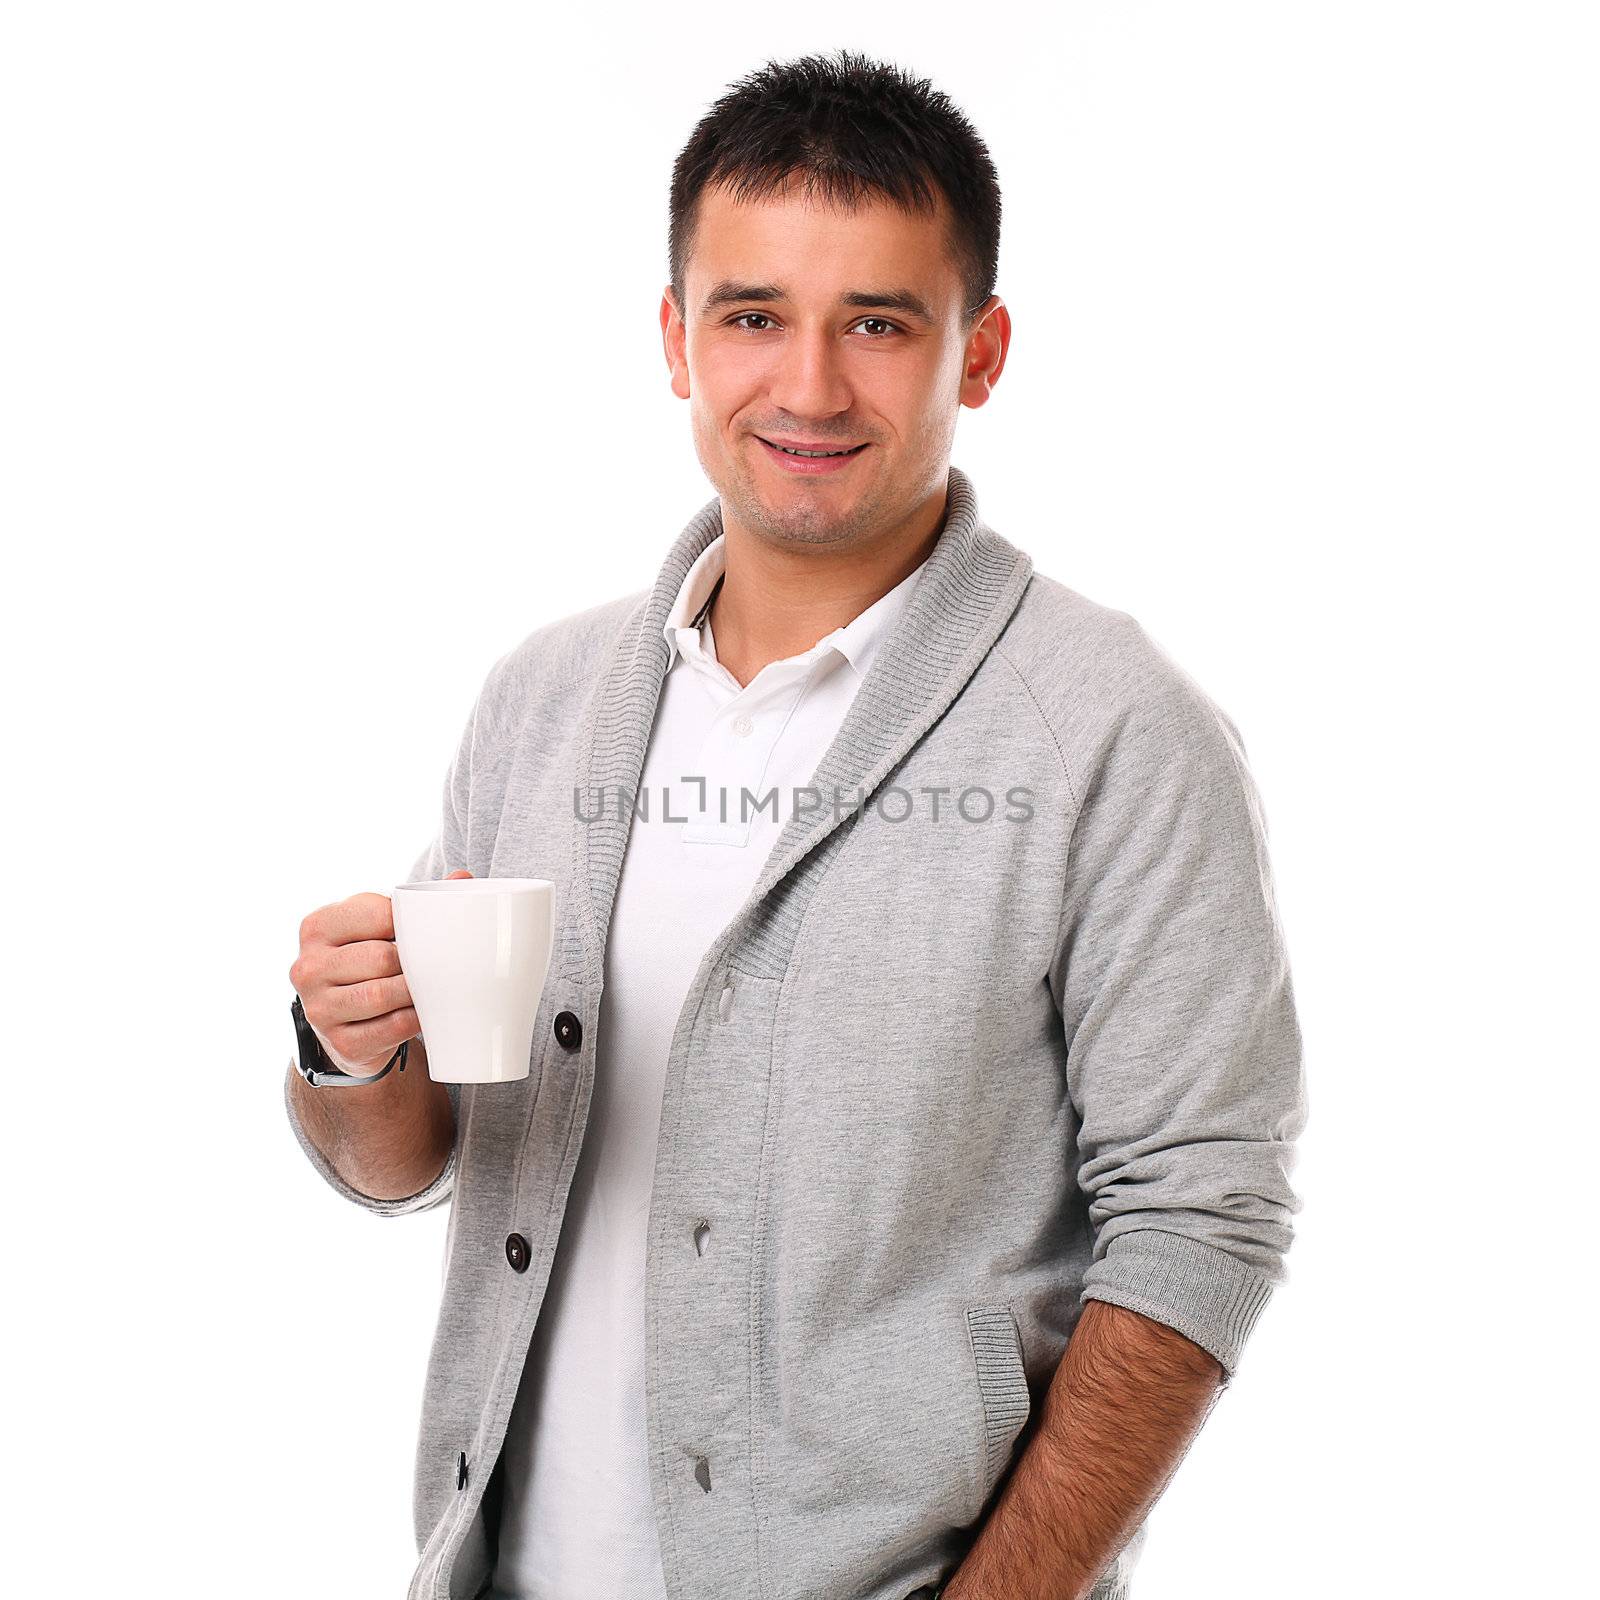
{"x": 569, "y": 1031}
{"x": 461, "y": 1471}
{"x": 517, "y": 1252}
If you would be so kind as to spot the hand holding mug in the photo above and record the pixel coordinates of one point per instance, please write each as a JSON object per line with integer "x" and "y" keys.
{"x": 350, "y": 983}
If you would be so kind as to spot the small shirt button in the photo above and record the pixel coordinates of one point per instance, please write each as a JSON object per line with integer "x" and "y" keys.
{"x": 569, "y": 1031}
{"x": 725, "y": 1003}
{"x": 461, "y": 1471}
{"x": 702, "y": 1232}
{"x": 702, "y": 1473}
{"x": 743, "y": 726}
{"x": 517, "y": 1252}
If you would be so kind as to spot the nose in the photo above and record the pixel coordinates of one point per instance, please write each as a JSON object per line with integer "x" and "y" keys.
{"x": 808, "y": 380}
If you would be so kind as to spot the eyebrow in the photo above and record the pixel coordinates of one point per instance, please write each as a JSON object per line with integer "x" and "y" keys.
{"x": 904, "y": 301}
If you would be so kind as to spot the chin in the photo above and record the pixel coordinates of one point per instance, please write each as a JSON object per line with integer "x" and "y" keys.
{"x": 811, "y": 521}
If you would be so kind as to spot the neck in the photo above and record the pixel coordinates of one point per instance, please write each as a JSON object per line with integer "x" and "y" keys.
{"x": 777, "y": 600}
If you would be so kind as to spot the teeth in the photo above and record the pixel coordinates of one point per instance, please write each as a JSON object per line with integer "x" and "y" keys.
{"x": 813, "y": 454}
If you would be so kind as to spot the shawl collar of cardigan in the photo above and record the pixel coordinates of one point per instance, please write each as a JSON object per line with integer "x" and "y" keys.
{"x": 969, "y": 587}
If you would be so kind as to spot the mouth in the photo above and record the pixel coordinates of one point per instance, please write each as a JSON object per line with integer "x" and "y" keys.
{"x": 809, "y": 459}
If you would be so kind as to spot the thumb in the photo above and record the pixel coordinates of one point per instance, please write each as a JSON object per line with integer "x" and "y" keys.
{"x": 463, "y": 873}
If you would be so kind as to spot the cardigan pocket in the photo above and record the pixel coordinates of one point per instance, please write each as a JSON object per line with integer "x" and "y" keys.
{"x": 1002, "y": 1387}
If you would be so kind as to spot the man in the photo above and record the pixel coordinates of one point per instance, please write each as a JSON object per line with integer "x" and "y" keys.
{"x": 903, "y": 1160}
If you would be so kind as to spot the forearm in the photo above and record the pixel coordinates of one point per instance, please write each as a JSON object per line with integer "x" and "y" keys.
{"x": 389, "y": 1139}
{"x": 1126, "y": 1402}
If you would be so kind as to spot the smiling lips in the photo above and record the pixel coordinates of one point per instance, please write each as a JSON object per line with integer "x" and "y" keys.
{"x": 810, "y": 458}
{"x": 810, "y": 449}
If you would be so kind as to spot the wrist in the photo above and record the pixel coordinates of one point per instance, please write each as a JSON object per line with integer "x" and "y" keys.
{"x": 319, "y": 1067}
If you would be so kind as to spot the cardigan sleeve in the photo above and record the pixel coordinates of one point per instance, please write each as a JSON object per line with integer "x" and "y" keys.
{"x": 445, "y": 853}
{"x": 1184, "y": 1051}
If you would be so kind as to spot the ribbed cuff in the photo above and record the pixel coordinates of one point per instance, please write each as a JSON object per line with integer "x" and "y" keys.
{"x": 1204, "y": 1293}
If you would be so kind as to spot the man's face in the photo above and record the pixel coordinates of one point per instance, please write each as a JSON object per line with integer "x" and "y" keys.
{"x": 805, "y": 326}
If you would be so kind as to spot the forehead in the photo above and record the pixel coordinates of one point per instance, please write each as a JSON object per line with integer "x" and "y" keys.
{"x": 813, "y": 246}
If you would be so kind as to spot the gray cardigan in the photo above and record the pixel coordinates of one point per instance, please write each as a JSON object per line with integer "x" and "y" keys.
{"x": 958, "y": 1065}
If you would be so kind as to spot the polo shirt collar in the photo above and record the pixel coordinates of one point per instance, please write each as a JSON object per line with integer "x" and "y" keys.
{"x": 857, "y": 641}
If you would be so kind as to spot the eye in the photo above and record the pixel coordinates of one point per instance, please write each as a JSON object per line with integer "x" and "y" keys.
{"x": 742, "y": 321}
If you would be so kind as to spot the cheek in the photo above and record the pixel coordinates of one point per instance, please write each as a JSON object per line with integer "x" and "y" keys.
{"x": 910, "y": 395}
{"x": 723, "y": 381}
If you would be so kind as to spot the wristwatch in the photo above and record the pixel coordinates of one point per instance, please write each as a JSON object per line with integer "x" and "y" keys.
{"x": 317, "y": 1069}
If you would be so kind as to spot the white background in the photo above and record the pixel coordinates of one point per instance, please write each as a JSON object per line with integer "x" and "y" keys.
{"x": 329, "y": 368}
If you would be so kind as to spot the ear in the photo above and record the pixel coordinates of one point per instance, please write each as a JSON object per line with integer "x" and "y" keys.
{"x": 984, "y": 358}
{"x": 674, "y": 341}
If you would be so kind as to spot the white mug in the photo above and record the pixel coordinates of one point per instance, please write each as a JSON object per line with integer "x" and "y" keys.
{"x": 475, "y": 952}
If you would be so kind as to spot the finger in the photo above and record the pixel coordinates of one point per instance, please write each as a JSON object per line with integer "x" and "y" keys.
{"x": 355, "y": 963}
{"x": 362, "y": 916}
{"x": 357, "y": 1002}
{"x": 463, "y": 873}
{"x": 378, "y": 1037}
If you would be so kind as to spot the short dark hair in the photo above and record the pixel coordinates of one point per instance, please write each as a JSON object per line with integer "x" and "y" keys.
{"x": 851, "y": 127}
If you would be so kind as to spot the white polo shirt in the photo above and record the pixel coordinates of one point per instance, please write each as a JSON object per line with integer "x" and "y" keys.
{"x": 578, "y": 1522}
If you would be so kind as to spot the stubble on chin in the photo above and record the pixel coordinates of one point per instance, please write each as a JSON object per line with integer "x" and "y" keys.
{"x": 804, "y": 523}
{"x": 800, "y": 521}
